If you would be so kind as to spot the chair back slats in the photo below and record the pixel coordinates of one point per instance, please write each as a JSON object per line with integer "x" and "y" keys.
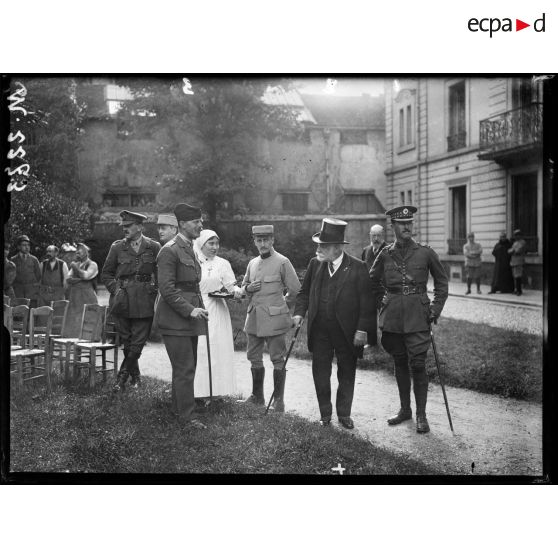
{"x": 9, "y": 320}
{"x": 60, "y": 311}
{"x": 21, "y": 301}
{"x": 42, "y": 315}
{"x": 92, "y": 322}
{"x": 20, "y": 316}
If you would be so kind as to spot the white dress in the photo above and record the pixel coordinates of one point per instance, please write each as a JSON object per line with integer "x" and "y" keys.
{"x": 216, "y": 273}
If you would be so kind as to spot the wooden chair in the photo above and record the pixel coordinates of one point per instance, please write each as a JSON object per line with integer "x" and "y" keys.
{"x": 90, "y": 331}
{"x": 60, "y": 311}
{"x": 32, "y": 363}
{"x": 20, "y": 315}
{"x": 9, "y": 325}
{"x": 109, "y": 342}
{"x": 21, "y": 301}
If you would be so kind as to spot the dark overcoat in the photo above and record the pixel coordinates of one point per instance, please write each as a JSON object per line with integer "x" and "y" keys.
{"x": 123, "y": 264}
{"x": 179, "y": 275}
{"x": 354, "y": 305}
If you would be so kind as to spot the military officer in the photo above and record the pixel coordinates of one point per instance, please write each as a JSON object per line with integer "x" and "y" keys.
{"x": 180, "y": 316}
{"x": 268, "y": 318}
{"x": 401, "y": 272}
{"x": 28, "y": 271}
{"x": 167, "y": 226}
{"x": 130, "y": 275}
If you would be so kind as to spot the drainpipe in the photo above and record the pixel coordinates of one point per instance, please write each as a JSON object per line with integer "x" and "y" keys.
{"x": 326, "y": 142}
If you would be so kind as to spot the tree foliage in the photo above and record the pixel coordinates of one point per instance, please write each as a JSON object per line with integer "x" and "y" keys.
{"x": 223, "y": 120}
{"x": 47, "y": 217}
{"x": 52, "y": 129}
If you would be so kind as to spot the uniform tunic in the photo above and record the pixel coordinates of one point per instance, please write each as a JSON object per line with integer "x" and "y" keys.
{"x": 472, "y": 252}
{"x": 518, "y": 251}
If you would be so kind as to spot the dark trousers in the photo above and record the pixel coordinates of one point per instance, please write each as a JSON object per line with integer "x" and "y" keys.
{"x": 183, "y": 353}
{"x": 134, "y": 333}
{"x": 328, "y": 340}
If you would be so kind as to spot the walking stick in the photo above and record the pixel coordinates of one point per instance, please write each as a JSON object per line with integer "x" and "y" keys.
{"x": 440, "y": 376}
{"x": 209, "y": 362}
{"x": 286, "y": 359}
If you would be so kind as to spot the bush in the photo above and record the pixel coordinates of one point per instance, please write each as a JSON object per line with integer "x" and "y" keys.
{"x": 238, "y": 260}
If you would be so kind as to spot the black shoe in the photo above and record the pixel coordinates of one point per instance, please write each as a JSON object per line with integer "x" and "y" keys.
{"x": 346, "y": 422}
{"x": 479, "y": 291}
{"x": 468, "y": 292}
{"x": 422, "y": 424}
{"x": 325, "y": 421}
{"x": 135, "y": 382}
{"x": 255, "y": 400}
{"x": 195, "y": 423}
{"x": 401, "y": 416}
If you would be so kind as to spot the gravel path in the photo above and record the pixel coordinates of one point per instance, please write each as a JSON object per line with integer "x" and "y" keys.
{"x": 500, "y": 436}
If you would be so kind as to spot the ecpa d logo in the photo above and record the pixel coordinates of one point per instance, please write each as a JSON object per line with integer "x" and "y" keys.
{"x": 492, "y": 25}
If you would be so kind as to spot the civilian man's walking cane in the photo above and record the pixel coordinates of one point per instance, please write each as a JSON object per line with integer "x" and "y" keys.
{"x": 286, "y": 359}
{"x": 209, "y": 362}
{"x": 440, "y": 376}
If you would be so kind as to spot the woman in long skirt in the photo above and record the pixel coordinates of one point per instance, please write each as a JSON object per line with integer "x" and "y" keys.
{"x": 81, "y": 280}
{"x": 217, "y": 274}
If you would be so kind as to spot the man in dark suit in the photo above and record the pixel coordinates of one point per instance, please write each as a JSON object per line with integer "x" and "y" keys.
{"x": 336, "y": 293}
{"x": 369, "y": 254}
{"x": 179, "y": 313}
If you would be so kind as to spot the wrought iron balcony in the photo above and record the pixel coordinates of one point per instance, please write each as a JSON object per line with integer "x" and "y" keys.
{"x": 511, "y": 133}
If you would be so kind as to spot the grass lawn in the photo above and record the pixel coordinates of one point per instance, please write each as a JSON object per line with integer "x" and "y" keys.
{"x": 473, "y": 356}
{"x": 78, "y": 431}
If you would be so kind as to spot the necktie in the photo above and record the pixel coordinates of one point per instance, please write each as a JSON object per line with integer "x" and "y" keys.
{"x": 331, "y": 268}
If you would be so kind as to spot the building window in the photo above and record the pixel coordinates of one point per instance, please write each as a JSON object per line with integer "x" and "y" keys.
{"x": 402, "y": 197}
{"x": 524, "y": 208}
{"x": 116, "y": 200}
{"x": 295, "y": 202}
{"x": 457, "y": 137}
{"x": 114, "y": 95}
{"x": 458, "y": 220}
{"x": 353, "y": 137}
{"x": 409, "y": 197}
{"x": 406, "y": 126}
{"x": 142, "y": 200}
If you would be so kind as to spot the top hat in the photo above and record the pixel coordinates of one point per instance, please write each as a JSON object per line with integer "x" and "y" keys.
{"x": 402, "y": 213}
{"x": 333, "y": 232}
{"x": 131, "y": 218}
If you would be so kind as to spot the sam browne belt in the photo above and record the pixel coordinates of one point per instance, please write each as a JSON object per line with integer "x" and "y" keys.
{"x": 406, "y": 290}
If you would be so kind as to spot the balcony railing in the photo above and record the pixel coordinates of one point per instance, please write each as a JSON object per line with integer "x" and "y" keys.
{"x": 511, "y": 130}
{"x": 457, "y": 141}
{"x": 455, "y": 246}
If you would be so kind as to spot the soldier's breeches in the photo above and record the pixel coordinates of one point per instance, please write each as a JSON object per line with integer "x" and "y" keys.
{"x": 414, "y": 345}
{"x": 275, "y": 345}
{"x": 134, "y": 333}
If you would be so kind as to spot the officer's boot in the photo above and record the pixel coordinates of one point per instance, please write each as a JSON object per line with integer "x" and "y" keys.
{"x": 257, "y": 396}
{"x": 420, "y": 386}
{"x": 469, "y": 281}
{"x": 518, "y": 286}
{"x": 403, "y": 378}
{"x": 123, "y": 373}
{"x": 279, "y": 390}
{"x": 134, "y": 371}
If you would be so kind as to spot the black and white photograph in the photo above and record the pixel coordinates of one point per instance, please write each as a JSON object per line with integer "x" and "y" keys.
{"x": 245, "y": 275}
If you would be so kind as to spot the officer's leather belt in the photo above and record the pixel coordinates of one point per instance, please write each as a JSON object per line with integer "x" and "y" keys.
{"x": 145, "y": 278}
{"x": 188, "y": 287}
{"x": 405, "y": 290}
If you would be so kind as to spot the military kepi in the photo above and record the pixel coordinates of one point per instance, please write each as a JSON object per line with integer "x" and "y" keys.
{"x": 167, "y": 219}
{"x": 186, "y": 212}
{"x": 332, "y": 232}
{"x": 262, "y": 230}
{"x": 402, "y": 213}
{"x": 131, "y": 218}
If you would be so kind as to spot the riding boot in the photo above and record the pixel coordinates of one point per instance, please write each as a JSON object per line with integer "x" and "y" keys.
{"x": 469, "y": 281}
{"x": 134, "y": 370}
{"x": 478, "y": 287}
{"x": 420, "y": 387}
{"x": 123, "y": 373}
{"x": 257, "y": 396}
{"x": 403, "y": 379}
{"x": 279, "y": 377}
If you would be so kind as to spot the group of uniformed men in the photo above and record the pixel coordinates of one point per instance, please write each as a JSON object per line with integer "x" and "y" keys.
{"x": 340, "y": 297}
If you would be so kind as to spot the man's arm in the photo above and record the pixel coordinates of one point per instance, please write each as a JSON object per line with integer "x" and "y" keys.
{"x": 440, "y": 284}
{"x": 303, "y": 297}
{"x": 376, "y": 277}
{"x": 366, "y": 300}
{"x": 108, "y": 273}
{"x": 290, "y": 281}
{"x": 37, "y": 269}
{"x": 167, "y": 262}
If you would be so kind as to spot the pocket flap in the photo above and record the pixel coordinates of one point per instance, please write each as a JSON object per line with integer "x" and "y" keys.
{"x": 276, "y": 310}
